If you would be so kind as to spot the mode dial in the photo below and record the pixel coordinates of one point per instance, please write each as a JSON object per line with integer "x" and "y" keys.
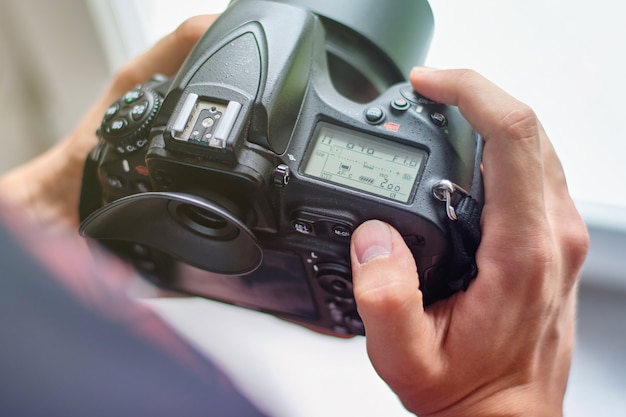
{"x": 126, "y": 123}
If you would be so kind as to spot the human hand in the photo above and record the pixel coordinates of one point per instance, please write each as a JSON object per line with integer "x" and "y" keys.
{"x": 47, "y": 188}
{"x": 504, "y": 347}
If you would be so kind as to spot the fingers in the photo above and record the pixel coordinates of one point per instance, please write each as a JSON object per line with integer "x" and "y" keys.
{"x": 569, "y": 228}
{"x": 386, "y": 288}
{"x": 516, "y": 233}
{"x": 512, "y": 157}
{"x": 512, "y": 329}
{"x": 527, "y": 203}
{"x": 165, "y": 58}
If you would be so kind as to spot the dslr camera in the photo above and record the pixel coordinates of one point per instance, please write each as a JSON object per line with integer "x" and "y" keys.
{"x": 242, "y": 178}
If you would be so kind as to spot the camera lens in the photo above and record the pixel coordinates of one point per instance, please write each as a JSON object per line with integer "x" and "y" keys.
{"x": 206, "y": 223}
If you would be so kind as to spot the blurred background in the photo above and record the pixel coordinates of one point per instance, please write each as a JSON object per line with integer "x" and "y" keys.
{"x": 564, "y": 58}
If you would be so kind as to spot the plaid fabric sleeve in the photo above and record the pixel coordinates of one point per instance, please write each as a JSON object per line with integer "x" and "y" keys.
{"x": 72, "y": 344}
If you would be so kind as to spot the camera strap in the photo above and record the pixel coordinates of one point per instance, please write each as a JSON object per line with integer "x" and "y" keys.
{"x": 463, "y": 212}
{"x": 465, "y": 238}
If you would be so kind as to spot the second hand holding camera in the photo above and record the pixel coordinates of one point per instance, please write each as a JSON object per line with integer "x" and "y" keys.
{"x": 242, "y": 178}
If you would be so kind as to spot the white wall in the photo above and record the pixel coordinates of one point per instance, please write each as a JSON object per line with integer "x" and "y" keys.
{"x": 51, "y": 68}
{"x": 566, "y": 59}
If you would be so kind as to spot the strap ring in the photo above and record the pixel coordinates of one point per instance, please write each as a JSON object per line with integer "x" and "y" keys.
{"x": 445, "y": 190}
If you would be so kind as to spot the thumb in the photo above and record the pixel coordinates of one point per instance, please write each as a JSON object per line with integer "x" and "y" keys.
{"x": 386, "y": 288}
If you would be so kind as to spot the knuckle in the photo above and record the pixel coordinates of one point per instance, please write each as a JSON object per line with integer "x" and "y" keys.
{"x": 544, "y": 254}
{"x": 578, "y": 242}
{"x": 129, "y": 75}
{"x": 467, "y": 76}
{"x": 384, "y": 302}
{"x": 541, "y": 274}
{"x": 575, "y": 242}
{"x": 520, "y": 123}
{"x": 555, "y": 261}
{"x": 534, "y": 257}
{"x": 126, "y": 78}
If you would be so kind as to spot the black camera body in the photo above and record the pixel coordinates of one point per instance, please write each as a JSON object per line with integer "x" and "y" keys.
{"x": 242, "y": 178}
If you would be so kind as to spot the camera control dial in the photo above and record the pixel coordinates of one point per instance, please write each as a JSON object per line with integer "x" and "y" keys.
{"x": 127, "y": 121}
{"x": 336, "y": 279}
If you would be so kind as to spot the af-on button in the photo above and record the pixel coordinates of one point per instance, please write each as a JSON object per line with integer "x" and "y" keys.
{"x": 342, "y": 231}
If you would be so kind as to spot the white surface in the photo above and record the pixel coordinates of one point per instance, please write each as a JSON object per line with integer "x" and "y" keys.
{"x": 51, "y": 69}
{"x": 287, "y": 370}
{"x": 292, "y": 372}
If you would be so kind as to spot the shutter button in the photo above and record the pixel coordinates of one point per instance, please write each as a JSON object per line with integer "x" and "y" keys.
{"x": 400, "y": 104}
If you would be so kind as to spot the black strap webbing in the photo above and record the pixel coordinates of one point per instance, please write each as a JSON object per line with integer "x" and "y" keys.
{"x": 465, "y": 236}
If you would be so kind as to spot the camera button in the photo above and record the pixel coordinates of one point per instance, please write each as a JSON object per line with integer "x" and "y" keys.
{"x": 374, "y": 115}
{"x": 115, "y": 182}
{"x": 341, "y": 230}
{"x": 341, "y": 303}
{"x": 400, "y": 104}
{"x": 336, "y": 315}
{"x": 335, "y": 279}
{"x": 354, "y": 322}
{"x": 336, "y": 285}
{"x": 439, "y": 119}
{"x": 111, "y": 111}
{"x": 139, "y": 110}
{"x": 341, "y": 330}
{"x": 132, "y": 96}
{"x": 414, "y": 241}
{"x": 142, "y": 186}
{"x": 116, "y": 126}
{"x": 303, "y": 227}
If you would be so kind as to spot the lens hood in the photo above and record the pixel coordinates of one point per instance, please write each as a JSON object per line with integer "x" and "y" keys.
{"x": 378, "y": 22}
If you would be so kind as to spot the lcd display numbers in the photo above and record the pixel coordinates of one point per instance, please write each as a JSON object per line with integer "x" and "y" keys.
{"x": 365, "y": 162}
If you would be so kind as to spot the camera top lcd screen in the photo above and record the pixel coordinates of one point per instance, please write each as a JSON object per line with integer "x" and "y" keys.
{"x": 365, "y": 162}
